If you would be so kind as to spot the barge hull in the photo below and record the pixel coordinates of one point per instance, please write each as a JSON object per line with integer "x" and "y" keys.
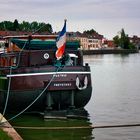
{"x": 59, "y": 100}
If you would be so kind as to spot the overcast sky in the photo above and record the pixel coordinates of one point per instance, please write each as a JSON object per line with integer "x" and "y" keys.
{"x": 107, "y": 17}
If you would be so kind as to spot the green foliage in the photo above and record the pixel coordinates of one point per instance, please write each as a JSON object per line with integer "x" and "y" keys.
{"x": 15, "y": 25}
{"x": 123, "y": 41}
{"x": 25, "y": 26}
{"x": 89, "y": 32}
{"x": 45, "y": 27}
{"x": 131, "y": 46}
{"x": 116, "y": 40}
{"x": 6, "y": 25}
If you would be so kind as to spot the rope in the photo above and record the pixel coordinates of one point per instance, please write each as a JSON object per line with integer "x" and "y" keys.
{"x": 53, "y": 76}
{"x": 117, "y": 125}
{"x": 19, "y": 55}
{"x": 73, "y": 127}
{"x": 9, "y": 82}
{"x": 7, "y": 97}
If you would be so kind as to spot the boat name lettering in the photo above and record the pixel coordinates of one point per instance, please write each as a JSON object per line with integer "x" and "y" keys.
{"x": 61, "y": 75}
{"x": 62, "y": 84}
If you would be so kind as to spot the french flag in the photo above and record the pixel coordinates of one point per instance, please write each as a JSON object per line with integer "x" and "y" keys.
{"x": 61, "y": 43}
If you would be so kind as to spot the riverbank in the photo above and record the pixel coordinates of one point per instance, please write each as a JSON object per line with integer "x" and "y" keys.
{"x": 4, "y": 135}
{"x": 110, "y": 51}
{"x": 7, "y": 132}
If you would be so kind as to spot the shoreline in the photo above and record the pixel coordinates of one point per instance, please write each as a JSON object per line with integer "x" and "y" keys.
{"x": 8, "y": 129}
{"x": 110, "y": 51}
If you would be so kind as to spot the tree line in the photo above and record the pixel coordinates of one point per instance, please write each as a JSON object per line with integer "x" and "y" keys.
{"x": 121, "y": 40}
{"x": 26, "y": 26}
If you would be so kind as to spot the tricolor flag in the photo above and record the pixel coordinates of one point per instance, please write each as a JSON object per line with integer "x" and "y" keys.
{"x": 61, "y": 43}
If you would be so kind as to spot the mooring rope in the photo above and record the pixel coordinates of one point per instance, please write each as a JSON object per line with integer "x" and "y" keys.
{"x": 7, "y": 96}
{"x": 21, "y": 112}
{"x": 9, "y": 84}
{"x": 72, "y": 127}
{"x": 9, "y": 81}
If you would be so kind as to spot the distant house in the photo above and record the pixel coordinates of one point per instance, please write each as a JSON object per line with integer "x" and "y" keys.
{"x": 71, "y": 36}
{"x": 110, "y": 43}
{"x": 16, "y": 33}
{"x": 94, "y": 41}
{"x": 84, "y": 42}
{"x": 88, "y": 42}
{"x": 12, "y": 33}
{"x": 135, "y": 40}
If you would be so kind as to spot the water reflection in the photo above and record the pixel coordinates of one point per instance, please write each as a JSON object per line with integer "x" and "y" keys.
{"x": 35, "y": 120}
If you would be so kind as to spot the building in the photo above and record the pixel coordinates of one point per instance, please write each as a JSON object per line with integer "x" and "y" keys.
{"x": 110, "y": 44}
{"x": 94, "y": 43}
{"x": 72, "y": 36}
{"x": 135, "y": 40}
{"x": 87, "y": 42}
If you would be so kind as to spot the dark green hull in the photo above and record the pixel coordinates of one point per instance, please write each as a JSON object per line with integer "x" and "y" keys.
{"x": 60, "y": 100}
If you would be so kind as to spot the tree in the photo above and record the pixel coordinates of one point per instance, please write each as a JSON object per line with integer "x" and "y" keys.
{"x": 15, "y": 25}
{"x": 89, "y": 32}
{"x": 43, "y": 27}
{"x": 6, "y": 25}
{"x": 33, "y": 26}
{"x": 116, "y": 40}
{"x": 26, "y": 26}
{"x": 49, "y": 28}
{"x": 123, "y": 41}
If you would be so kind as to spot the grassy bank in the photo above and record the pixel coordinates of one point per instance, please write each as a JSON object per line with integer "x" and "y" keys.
{"x": 4, "y": 136}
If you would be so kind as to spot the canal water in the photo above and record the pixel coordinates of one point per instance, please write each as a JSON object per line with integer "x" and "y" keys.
{"x": 116, "y": 95}
{"x": 115, "y": 100}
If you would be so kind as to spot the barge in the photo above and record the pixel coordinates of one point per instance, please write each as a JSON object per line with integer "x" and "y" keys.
{"x": 33, "y": 79}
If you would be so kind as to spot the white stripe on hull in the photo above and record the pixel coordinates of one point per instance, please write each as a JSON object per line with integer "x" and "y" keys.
{"x": 47, "y": 73}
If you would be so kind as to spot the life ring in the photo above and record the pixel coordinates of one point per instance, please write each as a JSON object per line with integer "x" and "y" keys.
{"x": 78, "y": 83}
{"x": 46, "y": 56}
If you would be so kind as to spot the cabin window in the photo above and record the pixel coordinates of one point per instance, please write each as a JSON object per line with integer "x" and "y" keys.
{"x": 14, "y": 61}
{"x": 73, "y": 58}
{"x": 8, "y": 61}
{"x": 70, "y": 59}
